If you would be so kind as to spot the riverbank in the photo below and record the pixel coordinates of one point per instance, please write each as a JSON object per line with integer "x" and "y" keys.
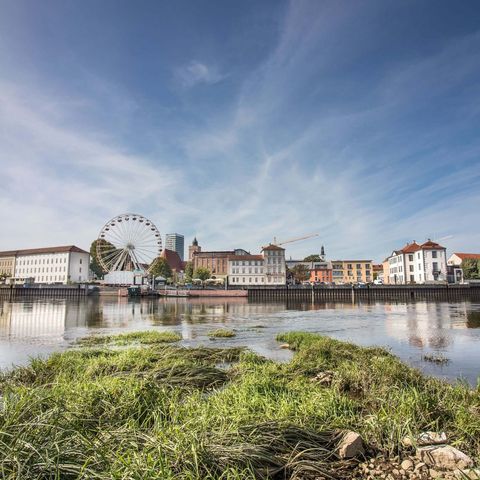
{"x": 138, "y": 406}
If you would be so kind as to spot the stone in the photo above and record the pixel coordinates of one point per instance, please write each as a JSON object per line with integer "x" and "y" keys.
{"x": 351, "y": 445}
{"x": 445, "y": 457}
{"x": 285, "y": 345}
{"x": 323, "y": 378}
{"x": 407, "y": 464}
{"x": 434, "y": 473}
{"x": 426, "y": 438}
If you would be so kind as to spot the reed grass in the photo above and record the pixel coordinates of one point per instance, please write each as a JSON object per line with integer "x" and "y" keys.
{"x": 146, "y": 338}
{"x": 222, "y": 333}
{"x": 161, "y": 411}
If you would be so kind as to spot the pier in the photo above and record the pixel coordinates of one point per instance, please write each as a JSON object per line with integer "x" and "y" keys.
{"x": 15, "y": 292}
{"x": 353, "y": 293}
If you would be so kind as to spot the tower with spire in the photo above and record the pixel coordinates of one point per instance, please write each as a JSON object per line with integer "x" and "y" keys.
{"x": 194, "y": 247}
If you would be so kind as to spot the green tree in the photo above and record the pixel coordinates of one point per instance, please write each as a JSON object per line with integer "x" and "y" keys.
{"x": 188, "y": 271}
{"x": 471, "y": 269}
{"x": 301, "y": 273}
{"x": 95, "y": 266}
{"x": 201, "y": 273}
{"x": 312, "y": 258}
{"x": 161, "y": 268}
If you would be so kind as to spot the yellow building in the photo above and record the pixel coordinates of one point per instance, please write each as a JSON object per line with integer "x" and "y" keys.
{"x": 352, "y": 271}
{"x": 7, "y": 265}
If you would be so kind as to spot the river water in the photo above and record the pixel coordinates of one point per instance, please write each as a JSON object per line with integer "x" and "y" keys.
{"x": 410, "y": 330}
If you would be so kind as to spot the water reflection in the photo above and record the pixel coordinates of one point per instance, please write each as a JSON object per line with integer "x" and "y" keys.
{"x": 409, "y": 329}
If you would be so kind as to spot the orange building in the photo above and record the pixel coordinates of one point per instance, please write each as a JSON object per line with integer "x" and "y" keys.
{"x": 321, "y": 274}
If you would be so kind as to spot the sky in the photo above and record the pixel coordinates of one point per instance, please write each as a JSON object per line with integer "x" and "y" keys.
{"x": 237, "y": 122}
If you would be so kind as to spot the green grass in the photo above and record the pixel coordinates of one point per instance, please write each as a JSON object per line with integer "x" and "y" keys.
{"x": 221, "y": 333}
{"x": 146, "y": 338}
{"x": 160, "y": 411}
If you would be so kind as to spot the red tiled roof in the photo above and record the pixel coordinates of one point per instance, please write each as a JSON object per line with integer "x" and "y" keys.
{"x": 35, "y": 251}
{"x": 429, "y": 245}
{"x": 463, "y": 256}
{"x": 272, "y": 247}
{"x": 411, "y": 247}
{"x": 173, "y": 260}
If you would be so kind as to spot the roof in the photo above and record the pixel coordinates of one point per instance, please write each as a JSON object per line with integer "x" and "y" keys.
{"x": 352, "y": 261}
{"x": 37, "y": 251}
{"x": 173, "y": 259}
{"x": 272, "y": 247}
{"x": 411, "y": 247}
{"x": 429, "y": 245}
{"x": 464, "y": 256}
{"x": 213, "y": 253}
{"x": 245, "y": 257}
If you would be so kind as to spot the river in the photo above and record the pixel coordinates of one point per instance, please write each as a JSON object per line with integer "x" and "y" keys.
{"x": 409, "y": 330}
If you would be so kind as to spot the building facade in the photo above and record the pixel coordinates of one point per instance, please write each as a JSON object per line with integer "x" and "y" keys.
{"x": 352, "y": 271}
{"x": 415, "y": 263}
{"x": 245, "y": 270}
{"x": 274, "y": 265}
{"x": 215, "y": 261}
{"x": 321, "y": 272}
{"x": 50, "y": 265}
{"x": 255, "y": 270}
{"x": 176, "y": 243}
{"x": 454, "y": 265}
{"x": 7, "y": 264}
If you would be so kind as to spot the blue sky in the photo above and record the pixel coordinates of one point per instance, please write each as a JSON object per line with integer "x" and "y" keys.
{"x": 240, "y": 121}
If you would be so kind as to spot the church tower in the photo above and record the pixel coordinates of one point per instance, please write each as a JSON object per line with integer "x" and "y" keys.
{"x": 194, "y": 247}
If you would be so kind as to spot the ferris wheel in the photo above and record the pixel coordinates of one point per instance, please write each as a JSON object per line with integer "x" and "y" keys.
{"x": 128, "y": 242}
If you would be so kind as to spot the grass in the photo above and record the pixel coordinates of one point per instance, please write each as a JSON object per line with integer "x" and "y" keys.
{"x": 221, "y": 333}
{"x": 160, "y": 411}
{"x": 148, "y": 337}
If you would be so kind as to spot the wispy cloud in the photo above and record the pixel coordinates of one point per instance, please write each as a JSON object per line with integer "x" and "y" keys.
{"x": 195, "y": 72}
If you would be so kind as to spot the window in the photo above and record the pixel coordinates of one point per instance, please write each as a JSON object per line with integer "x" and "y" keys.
{"x": 435, "y": 266}
{"x": 419, "y": 266}
{"x": 412, "y": 278}
{"x": 80, "y": 261}
{"x": 434, "y": 254}
{"x": 411, "y": 268}
{"x": 359, "y": 265}
{"x": 410, "y": 257}
{"x": 418, "y": 255}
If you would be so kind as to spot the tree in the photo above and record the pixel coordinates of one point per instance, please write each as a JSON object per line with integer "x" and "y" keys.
{"x": 188, "y": 271}
{"x": 301, "y": 273}
{"x": 161, "y": 268}
{"x": 313, "y": 258}
{"x": 202, "y": 273}
{"x": 471, "y": 269}
{"x": 95, "y": 267}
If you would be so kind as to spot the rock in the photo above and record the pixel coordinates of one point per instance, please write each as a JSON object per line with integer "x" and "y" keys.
{"x": 323, "y": 378}
{"x": 434, "y": 473}
{"x": 350, "y": 446}
{"x": 445, "y": 457}
{"x": 407, "y": 464}
{"x": 426, "y": 438}
{"x": 284, "y": 345}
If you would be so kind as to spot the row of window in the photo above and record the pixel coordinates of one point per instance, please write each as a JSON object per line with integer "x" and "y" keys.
{"x": 247, "y": 262}
{"x": 43, "y": 270}
{"x": 244, "y": 279}
{"x": 250, "y": 270}
{"x": 43, "y": 261}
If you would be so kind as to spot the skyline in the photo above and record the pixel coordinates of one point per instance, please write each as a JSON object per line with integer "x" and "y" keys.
{"x": 237, "y": 123}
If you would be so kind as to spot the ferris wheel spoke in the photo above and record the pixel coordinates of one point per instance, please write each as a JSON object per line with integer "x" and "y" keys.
{"x": 112, "y": 259}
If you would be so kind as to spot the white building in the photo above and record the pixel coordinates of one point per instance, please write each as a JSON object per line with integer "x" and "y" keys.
{"x": 253, "y": 270}
{"x": 245, "y": 270}
{"x": 51, "y": 265}
{"x": 414, "y": 263}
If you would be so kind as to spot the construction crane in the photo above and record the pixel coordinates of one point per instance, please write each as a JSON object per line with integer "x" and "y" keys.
{"x": 291, "y": 240}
